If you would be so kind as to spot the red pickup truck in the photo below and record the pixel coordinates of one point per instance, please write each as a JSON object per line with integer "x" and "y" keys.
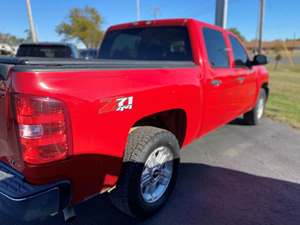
{"x": 70, "y": 129}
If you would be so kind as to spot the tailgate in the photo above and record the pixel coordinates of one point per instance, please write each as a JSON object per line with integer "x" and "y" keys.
{"x": 9, "y": 150}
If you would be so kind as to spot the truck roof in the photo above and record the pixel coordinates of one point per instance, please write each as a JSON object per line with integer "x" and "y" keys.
{"x": 166, "y": 22}
{"x": 160, "y": 22}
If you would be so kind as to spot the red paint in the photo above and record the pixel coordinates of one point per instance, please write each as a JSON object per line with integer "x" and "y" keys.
{"x": 99, "y": 132}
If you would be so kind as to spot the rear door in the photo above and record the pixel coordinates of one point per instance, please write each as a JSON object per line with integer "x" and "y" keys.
{"x": 220, "y": 82}
{"x": 245, "y": 75}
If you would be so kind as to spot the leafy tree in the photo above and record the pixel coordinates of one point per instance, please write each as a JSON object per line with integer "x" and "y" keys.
{"x": 83, "y": 25}
{"x": 238, "y": 34}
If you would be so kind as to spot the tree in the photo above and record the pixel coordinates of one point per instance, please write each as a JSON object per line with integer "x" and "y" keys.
{"x": 238, "y": 34}
{"x": 277, "y": 48}
{"x": 83, "y": 25}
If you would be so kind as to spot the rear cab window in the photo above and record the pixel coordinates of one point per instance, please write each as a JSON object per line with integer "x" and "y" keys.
{"x": 216, "y": 48}
{"x": 148, "y": 43}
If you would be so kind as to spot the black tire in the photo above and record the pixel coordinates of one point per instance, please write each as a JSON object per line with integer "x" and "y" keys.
{"x": 142, "y": 141}
{"x": 253, "y": 117}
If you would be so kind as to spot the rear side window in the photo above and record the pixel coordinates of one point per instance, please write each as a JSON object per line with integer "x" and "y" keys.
{"x": 216, "y": 48}
{"x": 148, "y": 43}
{"x": 239, "y": 53}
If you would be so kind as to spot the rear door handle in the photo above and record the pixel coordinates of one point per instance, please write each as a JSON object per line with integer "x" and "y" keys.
{"x": 241, "y": 79}
{"x": 216, "y": 83}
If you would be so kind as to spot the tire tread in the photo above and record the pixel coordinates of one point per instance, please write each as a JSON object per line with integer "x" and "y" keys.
{"x": 137, "y": 140}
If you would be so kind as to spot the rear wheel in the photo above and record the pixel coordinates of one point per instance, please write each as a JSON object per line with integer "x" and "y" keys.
{"x": 254, "y": 116}
{"x": 149, "y": 172}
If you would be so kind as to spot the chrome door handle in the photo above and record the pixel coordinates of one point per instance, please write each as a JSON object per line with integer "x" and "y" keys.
{"x": 241, "y": 79}
{"x": 216, "y": 83}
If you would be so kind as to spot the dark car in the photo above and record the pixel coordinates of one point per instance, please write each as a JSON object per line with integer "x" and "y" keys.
{"x": 48, "y": 50}
{"x": 88, "y": 54}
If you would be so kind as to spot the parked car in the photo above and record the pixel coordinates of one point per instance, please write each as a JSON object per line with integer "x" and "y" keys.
{"x": 70, "y": 129}
{"x": 88, "y": 54}
{"x": 48, "y": 50}
{"x": 6, "y": 50}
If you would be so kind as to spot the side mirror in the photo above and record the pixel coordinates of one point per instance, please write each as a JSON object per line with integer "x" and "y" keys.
{"x": 259, "y": 60}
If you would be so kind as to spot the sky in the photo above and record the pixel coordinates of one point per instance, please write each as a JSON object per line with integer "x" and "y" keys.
{"x": 282, "y": 17}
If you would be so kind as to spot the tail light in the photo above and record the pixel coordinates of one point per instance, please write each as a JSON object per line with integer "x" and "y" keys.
{"x": 43, "y": 129}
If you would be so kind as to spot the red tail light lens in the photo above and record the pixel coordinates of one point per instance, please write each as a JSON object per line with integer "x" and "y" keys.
{"x": 43, "y": 129}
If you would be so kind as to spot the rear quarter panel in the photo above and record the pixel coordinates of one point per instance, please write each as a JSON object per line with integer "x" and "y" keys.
{"x": 99, "y": 131}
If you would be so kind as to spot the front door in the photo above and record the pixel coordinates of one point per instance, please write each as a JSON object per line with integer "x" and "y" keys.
{"x": 245, "y": 75}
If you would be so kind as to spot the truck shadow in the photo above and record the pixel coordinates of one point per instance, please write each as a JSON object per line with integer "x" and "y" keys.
{"x": 238, "y": 122}
{"x": 206, "y": 195}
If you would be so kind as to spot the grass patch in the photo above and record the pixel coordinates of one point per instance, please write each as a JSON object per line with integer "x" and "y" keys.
{"x": 284, "y": 101}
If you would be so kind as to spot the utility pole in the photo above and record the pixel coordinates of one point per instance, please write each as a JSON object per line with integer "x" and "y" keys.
{"x": 156, "y": 12}
{"x": 31, "y": 23}
{"x": 221, "y": 13}
{"x": 261, "y": 25}
{"x": 138, "y": 10}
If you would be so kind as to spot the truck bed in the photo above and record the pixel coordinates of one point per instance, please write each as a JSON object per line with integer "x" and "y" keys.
{"x": 90, "y": 92}
{"x": 36, "y": 64}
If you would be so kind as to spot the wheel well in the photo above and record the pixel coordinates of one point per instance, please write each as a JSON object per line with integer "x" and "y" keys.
{"x": 265, "y": 86}
{"x": 171, "y": 120}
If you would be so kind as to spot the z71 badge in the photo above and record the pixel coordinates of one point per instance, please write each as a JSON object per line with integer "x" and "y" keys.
{"x": 125, "y": 103}
{"x": 118, "y": 104}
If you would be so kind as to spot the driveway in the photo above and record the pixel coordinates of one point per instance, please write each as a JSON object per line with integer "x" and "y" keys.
{"x": 239, "y": 175}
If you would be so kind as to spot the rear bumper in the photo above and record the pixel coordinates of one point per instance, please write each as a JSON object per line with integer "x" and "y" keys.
{"x": 27, "y": 202}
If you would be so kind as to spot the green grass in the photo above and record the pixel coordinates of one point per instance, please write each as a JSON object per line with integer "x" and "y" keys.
{"x": 284, "y": 101}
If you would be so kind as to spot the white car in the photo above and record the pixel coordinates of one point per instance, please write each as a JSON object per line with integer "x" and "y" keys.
{"x": 6, "y": 49}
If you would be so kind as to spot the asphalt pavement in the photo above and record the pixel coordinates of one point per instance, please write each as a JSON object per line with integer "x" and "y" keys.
{"x": 238, "y": 175}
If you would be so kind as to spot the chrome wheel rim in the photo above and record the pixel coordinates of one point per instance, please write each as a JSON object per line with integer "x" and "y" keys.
{"x": 260, "y": 108}
{"x": 157, "y": 174}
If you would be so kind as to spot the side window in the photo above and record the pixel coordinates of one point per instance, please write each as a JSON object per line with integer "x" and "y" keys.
{"x": 239, "y": 53}
{"x": 216, "y": 48}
